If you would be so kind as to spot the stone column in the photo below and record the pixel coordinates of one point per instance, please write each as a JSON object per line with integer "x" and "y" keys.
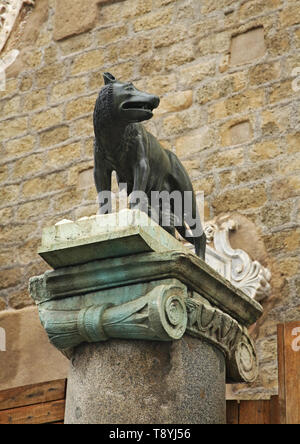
{"x": 151, "y": 331}
{"x": 147, "y": 382}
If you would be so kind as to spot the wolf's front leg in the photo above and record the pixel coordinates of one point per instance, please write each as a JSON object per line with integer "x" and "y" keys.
{"x": 138, "y": 198}
{"x": 102, "y": 176}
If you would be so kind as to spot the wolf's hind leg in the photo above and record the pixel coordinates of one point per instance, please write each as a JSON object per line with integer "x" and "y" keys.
{"x": 199, "y": 242}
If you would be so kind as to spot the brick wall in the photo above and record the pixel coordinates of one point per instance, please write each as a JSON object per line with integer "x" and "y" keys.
{"x": 225, "y": 71}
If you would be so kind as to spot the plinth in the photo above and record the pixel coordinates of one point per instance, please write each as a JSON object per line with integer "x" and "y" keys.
{"x": 151, "y": 331}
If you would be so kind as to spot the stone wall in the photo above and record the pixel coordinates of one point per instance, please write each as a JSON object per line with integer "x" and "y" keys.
{"x": 230, "y": 109}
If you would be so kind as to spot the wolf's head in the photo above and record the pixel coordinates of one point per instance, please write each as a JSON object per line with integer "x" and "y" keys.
{"x": 129, "y": 104}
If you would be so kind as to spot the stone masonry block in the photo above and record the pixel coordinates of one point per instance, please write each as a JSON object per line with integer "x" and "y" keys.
{"x": 29, "y": 357}
{"x": 73, "y": 17}
{"x": 248, "y": 46}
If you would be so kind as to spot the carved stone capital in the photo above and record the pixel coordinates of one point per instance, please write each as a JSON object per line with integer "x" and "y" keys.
{"x": 211, "y": 324}
{"x": 160, "y": 315}
{"x": 165, "y": 313}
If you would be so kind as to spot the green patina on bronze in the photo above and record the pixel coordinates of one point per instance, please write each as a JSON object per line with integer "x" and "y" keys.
{"x": 153, "y": 295}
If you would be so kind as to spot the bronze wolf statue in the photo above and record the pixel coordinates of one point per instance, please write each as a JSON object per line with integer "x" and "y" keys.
{"x": 123, "y": 145}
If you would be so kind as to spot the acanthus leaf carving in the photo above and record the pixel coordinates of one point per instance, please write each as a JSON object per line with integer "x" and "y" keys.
{"x": 207, "y": 322}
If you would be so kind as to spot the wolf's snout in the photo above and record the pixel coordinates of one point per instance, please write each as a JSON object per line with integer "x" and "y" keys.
{"x": 156, "y": 102}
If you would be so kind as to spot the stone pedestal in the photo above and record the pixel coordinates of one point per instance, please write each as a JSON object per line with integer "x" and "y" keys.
{"x": 152, "y": 332}
{"x": 139, "y": 382}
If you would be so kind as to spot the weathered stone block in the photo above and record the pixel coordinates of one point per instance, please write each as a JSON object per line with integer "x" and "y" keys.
{"x": 161, "y": 84}
{"x": 16, "y": 233}
{"x": 51, "y": 55}
{"x": 217, "y": 42}
{"x": 4, "y": 173}
{"x": 20, "y": 146}
{"x": 275, "y": 214}
{"x": 63, "y": 155}
{"x": 179, "y": 55}
{"x": 169, "y": 35}
{"x": 293, "y": 143}
{"x": 176, "y": 123}
{"x": 154, "y": 19}
{"x": 35, "y": 100}
{"x": 238, "y": 104}
{"x": 224, "y": 159}
{"x": 286, "y": 188}
{"x": 46, "y": 119}
{"x": 87, "y": 61}
{"x": 67, "y": 200}
{"x": 132, "y": 47}
{"x": 264, "y": 73}
{"x": 29, "y": 357}
{"x": 265, "y": 151}
{"x": 248, "y": 46}
{"x": 42, "y": 185}
{"x": 236, "y": 132}
{"x": 135, "y": 8}
{"x": 275, "y": 121}
{"x": 10, "y": 278}
{"x": 28, "y": 166}
{"x": 212, "y": 5}
{"x": 50, "y": 74}
{"x": 76, "y": 43}
{"x": 111, "y": 35}
{"x": 31, "y": 210}
{"x": 73, "y": 17}
{"x": 68, "y": 89}
{"x": 189, "y": 145}
{"x": 216, "y": 89}
{"x": 11, "y": 107}
{"x": 86, "y": 178}
{"x": 79, "y": 107}
{"x": 6, "y": 215}
{"x": 282, "y": 91}
{"x": 207, "y": 185}
{"x": 257, "y": 7}
{"x": 175, "y": 102}
{"x": 189, "y": 75}
{"x": 83, "y": 127}
{"x": 290, "y": 16}
{"x": 54, "y": 136}
{"x": 13, "y": 128}
{"x": 239, "y": 199}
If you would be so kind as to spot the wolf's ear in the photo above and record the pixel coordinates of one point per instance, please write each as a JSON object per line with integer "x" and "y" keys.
{"x": 108, "y": 78}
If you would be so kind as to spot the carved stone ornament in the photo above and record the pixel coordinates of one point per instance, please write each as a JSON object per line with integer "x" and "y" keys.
{"x": 165, "y": 313}
{"x": 119, "y": 282}
{"x": 247, "y": 275}
{"x": 205, "y": 321}
{"x": 9, "y": 11}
